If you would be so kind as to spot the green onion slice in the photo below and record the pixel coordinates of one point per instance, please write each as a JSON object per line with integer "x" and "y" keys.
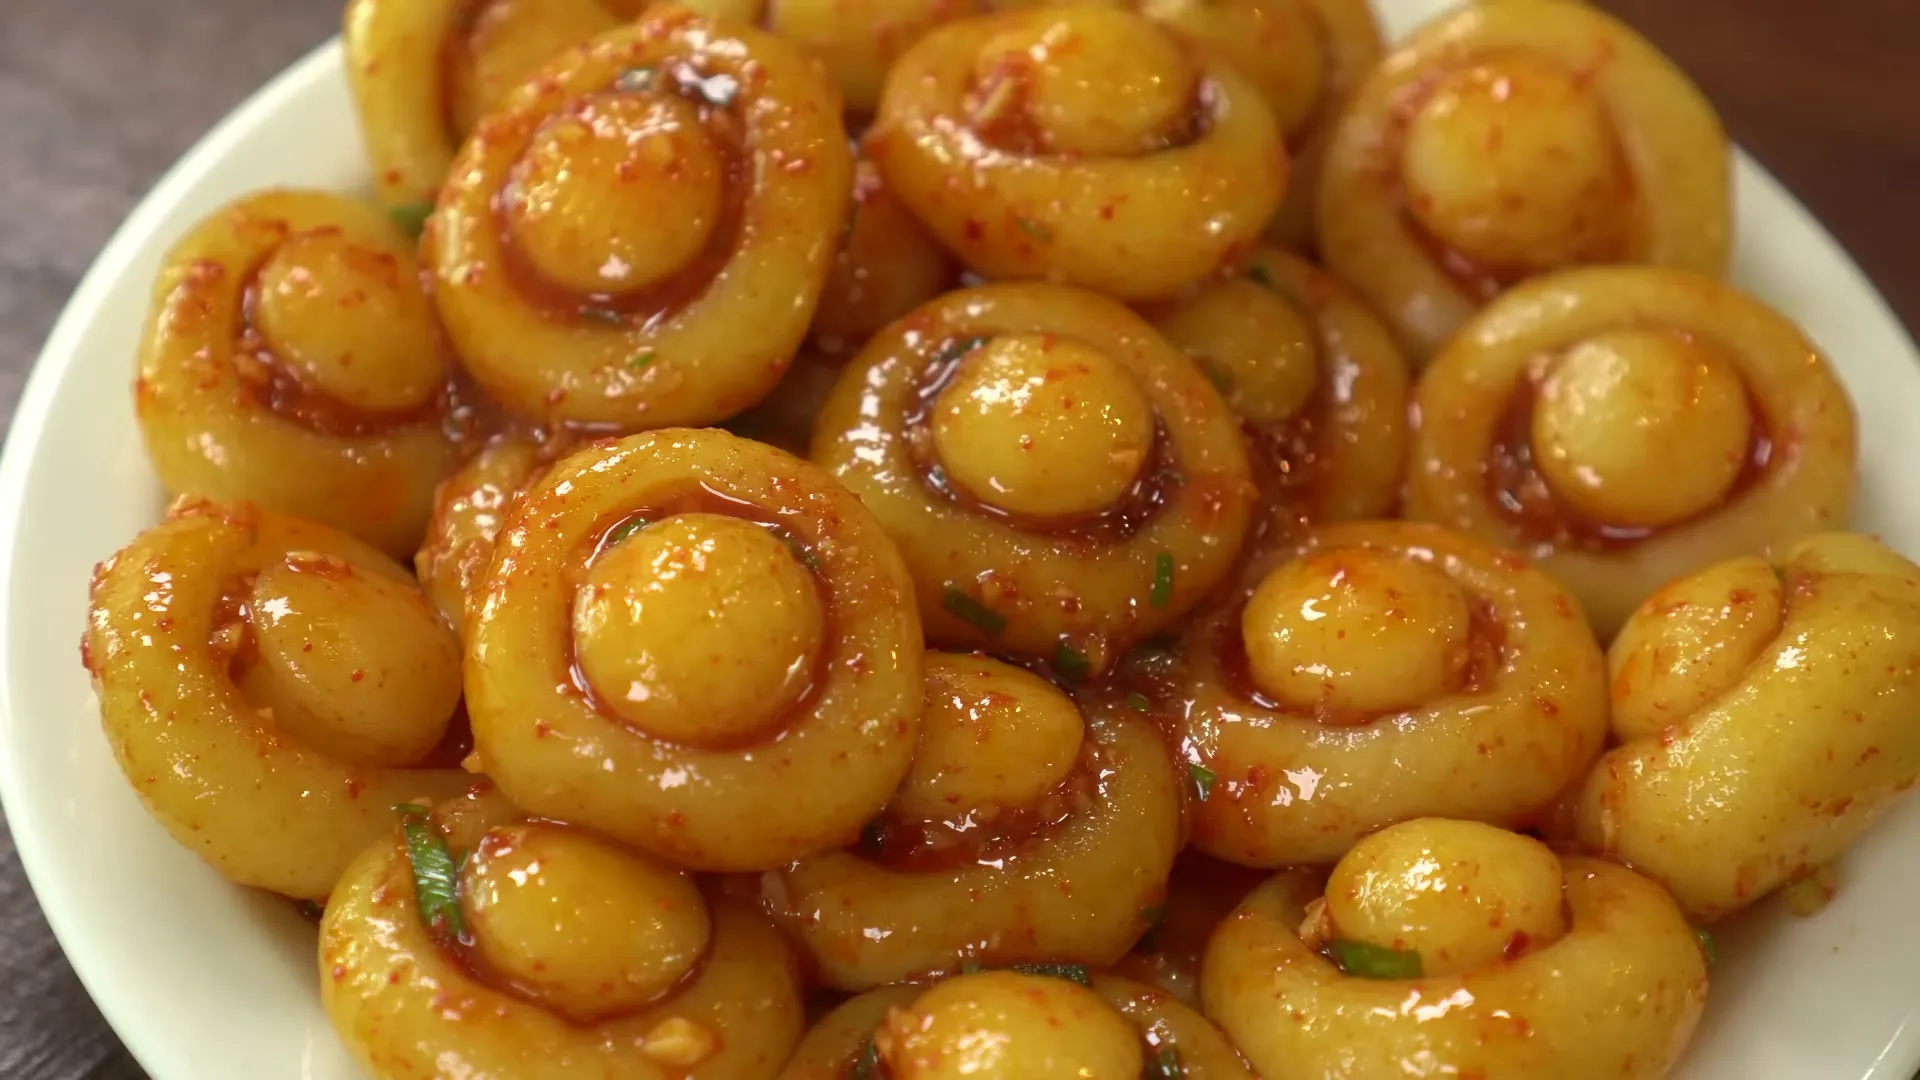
{"x": 983, "y": 618}
{"x": 1370, "y": 961}
{"x": 436, "y": 884}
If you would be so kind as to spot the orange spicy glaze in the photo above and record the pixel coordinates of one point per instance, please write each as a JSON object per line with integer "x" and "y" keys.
{"x": 712, "y": 95}
{"x": 1151, "y": 491}
{"x": 1523, "y": 497}
{"x": 698, "y": 498}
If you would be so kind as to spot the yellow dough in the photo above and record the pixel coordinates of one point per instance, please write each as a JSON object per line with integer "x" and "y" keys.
{"x": 1317, "y": 380}
{"x": 1572, "y": 968}
{"x": 1377, "y": 671}
{"x": 1055, "y": 474}
{"x": 1768, "y": 712}
{"x": 578, "y": 959}
{"x": 1085, "y": 144}
{"x": 423, "y": 72}
{"x": 291, "y": 359}
{"x": 1501, "y": 141}
{"x": 266, "y": 685}
{"x": 1022, "y": 833}
{"x": 1005, "y": 1025}
{"x": 1627, "y": 425}
{"x": 677, "y": 632}
{"x": 638, "y": 236}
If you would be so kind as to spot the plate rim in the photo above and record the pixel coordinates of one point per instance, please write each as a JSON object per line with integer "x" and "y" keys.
{"x": 29, "y": 423}
{"x": 1898, "y": 1059}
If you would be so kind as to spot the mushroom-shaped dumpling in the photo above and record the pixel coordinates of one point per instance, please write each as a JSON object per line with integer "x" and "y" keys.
{"x": 1374, "y": 672}
{"x": 1024, "y": 832}
{"x": 291, "y": 359}
{"x": 681, "y": 630}
{"x": 1627, "y": 425}
{"x": 1462, "y": 950}
{"x": 1316, "y": 378}
{"x": 423, "y": 73}
{"x": 1083, "y": 144}
{"x": 1768, "y": 713}
{"x": 1506, "y": 140}
{"x": 1060, "y": 480}
{"x": 1044, "y": 1021}
{"x": 534, "y": 950}
{"x": 638, "y": 235}
{"x": 270, "y": 687}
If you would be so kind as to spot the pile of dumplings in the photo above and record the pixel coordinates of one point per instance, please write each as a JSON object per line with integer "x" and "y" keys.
{"x": 929, "y": 538}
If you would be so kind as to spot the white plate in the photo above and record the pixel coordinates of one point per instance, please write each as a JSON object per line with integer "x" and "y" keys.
{"x": 205, "y": 982}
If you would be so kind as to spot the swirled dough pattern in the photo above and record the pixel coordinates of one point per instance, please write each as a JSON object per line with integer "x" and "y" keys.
{"x": 679, "y": 630}
{"x": 856, "y": 41}
{"x": 1009, "y": 1024}
{"x": 577, "y": 959}
{"x": 1084, "y": 144}
{"x": 1054, "y": 473}
{"x": 1381, "y": 671}
{"x": 638, "y": 236}
{"x": 1457, "y": 949}
{"x": 423, "y": 73}
{"x": 1768, "y": 714}
{"x": 1317, "y": 380}
{"x": 266, "y": 684}
{"x": 1506, "y": 140}
{"x": 1022, "y": 833}
{"x": 1627, "y": 425}
{"x": 291, "y": 359}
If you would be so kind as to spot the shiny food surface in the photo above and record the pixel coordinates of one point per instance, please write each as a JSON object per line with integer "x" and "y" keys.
{"x": 651, "y": 765}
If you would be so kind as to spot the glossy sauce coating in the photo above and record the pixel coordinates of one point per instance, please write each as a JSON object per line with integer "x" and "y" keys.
{"x": 1033, "y": 838}
{"x": 581, "y": 918}
{"x": 1505, "y": 140}
{"x": 638, "y": 236}
{"x": 1766, "y": 714}
{"x": 1628, "y": 425}
{"x": 424, "y": 71}
{"x": 1007, "y": 1024}
{"x": 1616, "y": 995}
{"x": 1083, "y": 145}
{"x": 566, "y": 739}
{"x": 856, "y": 41}
{"x": 469, "y": 509}
{"x": 1389, "y": 671}
{"x": 888, "y": 265}
{"x": 276, "y": 773}
{"x": 989, "y": 577}
{"x": 1317, "y": 380}
{"x": 291, "y": 359}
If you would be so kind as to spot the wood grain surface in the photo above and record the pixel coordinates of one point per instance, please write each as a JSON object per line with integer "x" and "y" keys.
{"x": 98, "y": 97}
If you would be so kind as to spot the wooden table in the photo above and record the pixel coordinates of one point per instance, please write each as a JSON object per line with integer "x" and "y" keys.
{"x": 98, "y": 97}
